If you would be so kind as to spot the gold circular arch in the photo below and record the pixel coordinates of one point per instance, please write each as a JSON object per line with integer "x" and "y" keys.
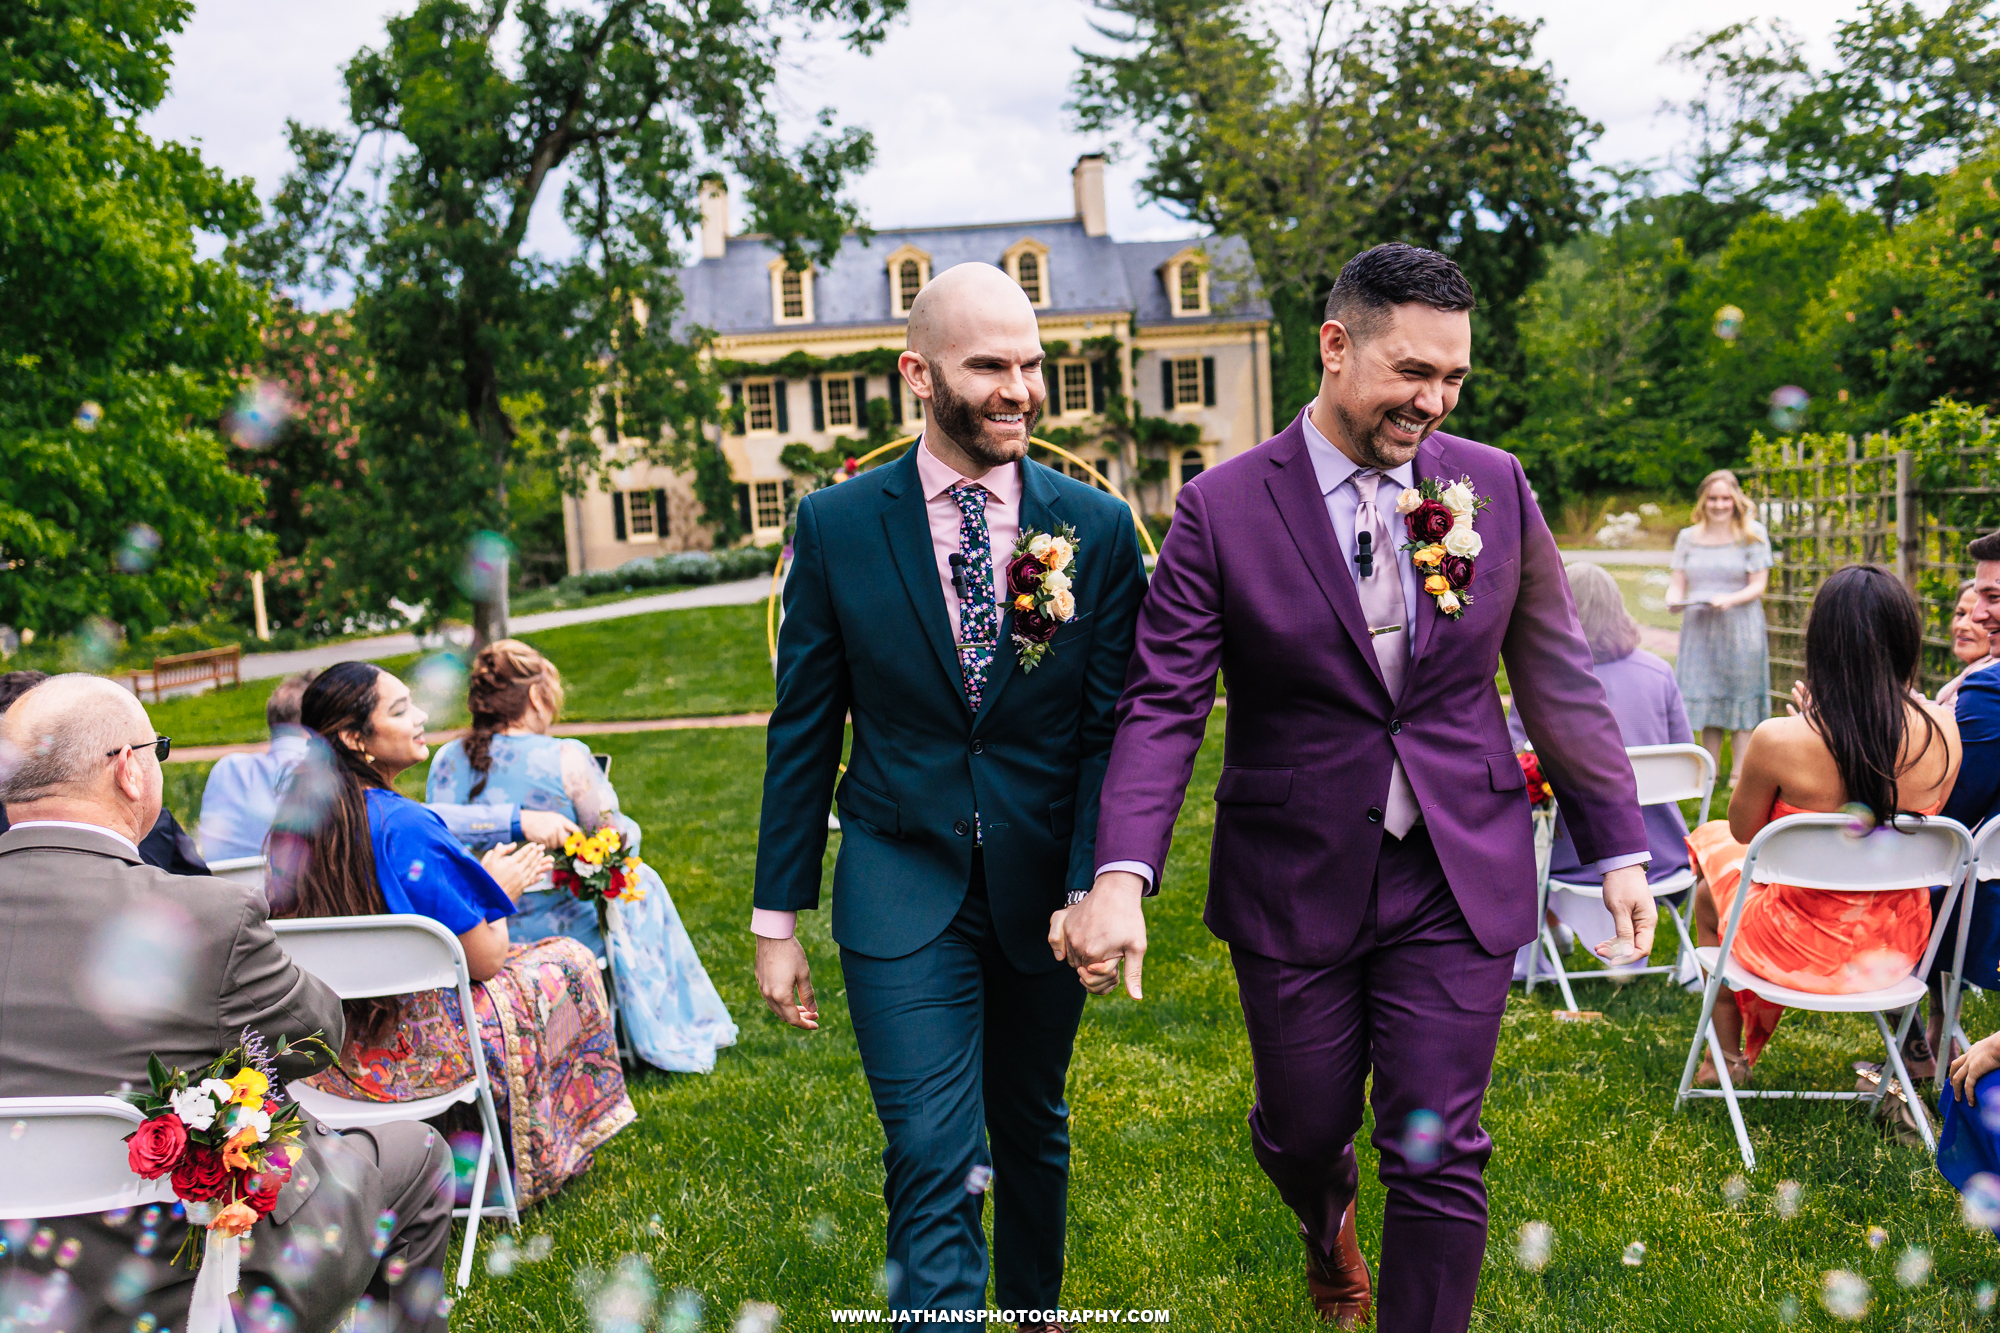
{"x": 778, "y": 573}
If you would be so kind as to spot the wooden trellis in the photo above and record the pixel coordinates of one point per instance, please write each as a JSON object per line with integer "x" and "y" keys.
{"x": 1835, "y": 505}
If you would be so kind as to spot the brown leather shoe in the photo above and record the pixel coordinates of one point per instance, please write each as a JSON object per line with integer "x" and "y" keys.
{"x": 1339, "y": 1285}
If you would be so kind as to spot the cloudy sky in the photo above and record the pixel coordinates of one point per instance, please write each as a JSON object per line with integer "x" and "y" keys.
{"x": 965, "y": 99}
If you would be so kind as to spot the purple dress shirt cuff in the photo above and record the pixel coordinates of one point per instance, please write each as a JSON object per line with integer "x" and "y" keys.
{"x": 773, "y": 925}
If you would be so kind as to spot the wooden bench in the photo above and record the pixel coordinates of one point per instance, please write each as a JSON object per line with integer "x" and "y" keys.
{"x": 220, "y": 666}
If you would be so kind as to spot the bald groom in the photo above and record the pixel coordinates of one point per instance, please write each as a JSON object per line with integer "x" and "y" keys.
{"x": 969, "y": 806}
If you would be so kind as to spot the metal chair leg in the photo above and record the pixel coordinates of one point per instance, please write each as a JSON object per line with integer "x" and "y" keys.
{"x": 1729, "y": 1100}
{"x": 1921, "y": 1115}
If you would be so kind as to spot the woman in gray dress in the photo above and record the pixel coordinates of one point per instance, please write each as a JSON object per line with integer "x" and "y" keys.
{"x": 1721, "y": 567}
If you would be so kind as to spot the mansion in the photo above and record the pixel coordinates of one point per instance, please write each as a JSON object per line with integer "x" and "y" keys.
{"x": 1180, "y": 327}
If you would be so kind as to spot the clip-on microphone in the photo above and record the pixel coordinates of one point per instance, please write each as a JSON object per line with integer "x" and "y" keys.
{"x": 957, "y": 559}
{"x": 1364, "y": 552}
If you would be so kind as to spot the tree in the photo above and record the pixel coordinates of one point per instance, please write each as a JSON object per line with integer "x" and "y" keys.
{"x": 1907, "y": 93}
{"x": 1430, "y": 123}
{"x": 618, "y": 105}
{"x": 119, "y": 348}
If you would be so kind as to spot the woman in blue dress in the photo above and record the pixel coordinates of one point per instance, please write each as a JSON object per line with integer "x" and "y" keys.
{"x": 672, "y": 1013}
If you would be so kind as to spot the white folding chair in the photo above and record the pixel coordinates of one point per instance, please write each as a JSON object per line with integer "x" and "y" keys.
{"x": 1820, "y": 851}
{"x": 1663, "y": 774}
{"x": 1985, "y": 868}
{"x": 65, "y": 1156}
{"x": 242, "y": 869}
{"x": 365, "y": 956}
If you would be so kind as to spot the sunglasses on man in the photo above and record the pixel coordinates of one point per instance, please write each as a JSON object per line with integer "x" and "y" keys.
{"x": 161, "y": 746}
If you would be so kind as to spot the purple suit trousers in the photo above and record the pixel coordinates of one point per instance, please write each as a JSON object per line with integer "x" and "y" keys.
{"x": 1251, "y": 582}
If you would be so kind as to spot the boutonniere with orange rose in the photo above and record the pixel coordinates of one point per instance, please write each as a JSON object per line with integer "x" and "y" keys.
{"x": 1040, "y": 590}
{"x": 224, "y": 1134}
{"x": 599, "y": 867}
{"x": 1442, "y": 543}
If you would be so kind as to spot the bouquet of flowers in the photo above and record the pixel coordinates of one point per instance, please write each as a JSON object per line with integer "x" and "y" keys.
{"x": 224, "y": 1134}
{"x": 1039, "y": 589}
{"x": 599, "y": 867}
{"x": 1540, "y": 794}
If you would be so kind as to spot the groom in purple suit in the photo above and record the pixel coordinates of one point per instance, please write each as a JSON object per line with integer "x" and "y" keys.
{"x": 1373, "y": 867}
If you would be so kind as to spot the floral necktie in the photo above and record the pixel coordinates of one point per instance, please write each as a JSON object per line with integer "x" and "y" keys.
{"x": 978, "y": 615}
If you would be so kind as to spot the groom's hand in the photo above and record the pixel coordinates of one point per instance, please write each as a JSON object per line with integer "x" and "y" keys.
{"x": 1632, "y": 911}
{"x": 1108, "y": 925}
{"x": 785, "y": 978}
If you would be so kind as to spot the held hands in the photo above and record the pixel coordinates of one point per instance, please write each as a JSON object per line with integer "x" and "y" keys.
{"x": 785, "y": 980}
{"x": 1632, "y": 911}
{"x": 517, "y": 868}
{"x": 547, "y": 828}
{"x": 1108, "y": 925}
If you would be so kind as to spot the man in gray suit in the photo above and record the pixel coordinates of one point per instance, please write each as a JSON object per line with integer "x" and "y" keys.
{"x": 105, "y": 961}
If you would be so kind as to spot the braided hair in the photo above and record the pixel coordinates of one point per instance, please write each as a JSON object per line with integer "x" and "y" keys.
{"x": 505, "y": 677}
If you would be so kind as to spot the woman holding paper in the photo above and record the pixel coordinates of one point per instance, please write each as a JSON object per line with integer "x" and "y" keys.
{"x": 1720, "y": 569}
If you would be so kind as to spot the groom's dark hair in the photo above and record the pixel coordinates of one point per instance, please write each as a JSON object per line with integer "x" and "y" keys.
{"x": 1376, "y": 280}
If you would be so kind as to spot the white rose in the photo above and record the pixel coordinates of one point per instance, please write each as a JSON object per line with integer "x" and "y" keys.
{"x": 1063, "y": 605}
{"x": 1447, "y": 602}
{"x": 1054, "y": 584}
{"x": 1462, "y": 540}
{"x": 1459, "y": 499}
{"x": 1038, "y": 546}
{"x": 1060, "y": 553}
{"x": 1407, "y": 502}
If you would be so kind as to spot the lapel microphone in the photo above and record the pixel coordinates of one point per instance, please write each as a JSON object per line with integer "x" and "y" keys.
{"x": 957, "y": 559}
{"x": 1364, "y": 552}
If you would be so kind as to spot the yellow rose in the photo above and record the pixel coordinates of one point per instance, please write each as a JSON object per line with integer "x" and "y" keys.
{"x": 1438, "y": 583}
{"x": 1025, "y": 602}
{"x": 250, "y": 1086}
{"x": 1427, "y": 555}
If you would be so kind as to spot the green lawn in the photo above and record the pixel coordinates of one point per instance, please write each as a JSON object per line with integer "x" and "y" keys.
{"x": 762, "y": 1181}
{"x": 689, "y": 663}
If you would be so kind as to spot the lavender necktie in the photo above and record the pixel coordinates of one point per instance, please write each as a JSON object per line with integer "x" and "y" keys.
{"x": 1382, "y": 603}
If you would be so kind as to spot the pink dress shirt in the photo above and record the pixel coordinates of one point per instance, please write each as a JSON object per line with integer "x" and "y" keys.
{"x": 1003, "y": 527}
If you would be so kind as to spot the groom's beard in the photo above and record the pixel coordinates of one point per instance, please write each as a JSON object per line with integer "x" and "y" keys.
{"x": 965, "y": 424}
{"x": 1374, "y": 444}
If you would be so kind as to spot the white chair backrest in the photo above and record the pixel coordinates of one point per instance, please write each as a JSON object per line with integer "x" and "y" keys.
{"x": 64, "y": 1156}
{"x": 364, "y": 956}
{"x": 242, "y": 869}
{"x": 1671, "y": 772}
{"x": 1821, "y": 851}
{"x": 1986, "y": 849}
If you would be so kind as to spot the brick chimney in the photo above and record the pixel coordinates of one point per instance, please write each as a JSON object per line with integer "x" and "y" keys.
{"x": 1088, "y": 179}
{"x": 715, "y": 217}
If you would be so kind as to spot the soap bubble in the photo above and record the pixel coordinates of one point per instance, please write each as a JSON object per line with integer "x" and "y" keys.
{"x": 18, "y": 1128}
{"x": 89, "y": 415}
{"x": 1914, "y": 1268}
{"x": 150, "y": 1218}
{"x": 135, "y": 969}
{"x": 385, "y": 1227}
{"x": 1635, "y": 1254}
{"x": 438, "y": 682}
{"x": 420, "y": 1298}
{"x": 978, "y": 1180}
{"x": 465, "y": 1164}
{"x": 683, "y": 1313}
{"x": 1877, "y": 1238}
{"x": 1844, "y": 1294}
{"x": 1788, "y": 407}
{"x": 297, "y": 1260}
{"x": 889, "y": 1281}
{"x": 1735, "y": 1190}
{"x": 10, "y": 641}
{"x": 483, "y": 573}
{"x": 258, "y": 414}
{"x": 97, "y": 642}
{"x": 1788, "y": 1311}
{"x": 821, "y": 1230}
{"x": 656, "y": 1226}
{"x": 1421, "y": 1133}
{"x": 1860, "y": 820}
{"x": 539, "y": 1248}
{"x": 757, "y": 1317}
{"x": 1728, "y": 323}
{"x": 500, "y": 1260}
{"x": 330, "y": 1239}
{"x": 148, "y": 1242}
{"x": 1989, "y": 1108}
{"x": 129, "y": 1281}
{"x": 146, "y": 1323}
{"x": 139, "y": 549}
{"x": 1786, "y": 1198}
{"x": 1979, "y": 1201}
{"x": 1982, "y": 1297}
{"x": 43, "y": 1242}
{"x": 625, "y": 1303}
{"x": 394, "y": 1271}
{"x": 69, "y": 1252}
{"x": 1532, "y": 1245}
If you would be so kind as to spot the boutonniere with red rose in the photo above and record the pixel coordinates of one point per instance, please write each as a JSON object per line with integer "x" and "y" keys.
{"x": 1442, "y": 543}
{"x": 1039, "y": 590}
{"x": 1541, "y": 795}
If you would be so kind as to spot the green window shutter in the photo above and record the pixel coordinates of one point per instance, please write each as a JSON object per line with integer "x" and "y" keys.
{"x": 1166, "y": 384}
{"x": 896, "y": 400}
{"x": 735, "y": 394}
{"x": 819, "y": 407}
{"x": 781, "y": 393}
{"x": 1208, "y": 381}
{"x": 1052, "y": 381}
{"x": 659, "y": 511}
{"x": 861, "y": 402}
{"x": 1097, "y": 386}
{"x": 743, "y": 505}
{"x": 618, "y": 515}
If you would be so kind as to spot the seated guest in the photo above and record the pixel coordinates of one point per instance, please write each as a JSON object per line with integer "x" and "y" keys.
{"x": 1646, "y": 700}
{"x": 1970, "y": 643}
{"x": 243, "y": 791}
{"x": 165, "y": 845}
{"x": 542, "y": 1016}
{"x": 672, "y": 1013}
{"x": 1970, "y": 1103}
{"x": 1862, "y": 736}
{"x": 81, "y": 911}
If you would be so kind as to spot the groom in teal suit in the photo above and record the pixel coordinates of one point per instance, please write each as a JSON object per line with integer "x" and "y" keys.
{"x": 981, "y": 730}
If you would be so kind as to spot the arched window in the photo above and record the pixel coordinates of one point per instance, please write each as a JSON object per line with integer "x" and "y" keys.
{"x": 909, "y": 281}
{"x": 1028, "y": 269}
{"x": 1190, "y": 287}
{"x": 1191, "y": 465}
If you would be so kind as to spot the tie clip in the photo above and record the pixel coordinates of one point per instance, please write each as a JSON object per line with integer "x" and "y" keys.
{"x": 977, "y": 643}
{"x": 1386, "y": 629}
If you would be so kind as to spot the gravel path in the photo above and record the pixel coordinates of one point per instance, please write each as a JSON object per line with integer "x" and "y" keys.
{"x": 201, "y": 754}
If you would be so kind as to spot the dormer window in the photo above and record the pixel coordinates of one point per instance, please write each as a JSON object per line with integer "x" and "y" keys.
{"x": 1027, "y": 262}
{"x": 791, "y": 293}
{"x": 1186, "y": 279}
{"x": 1190, "y": 285}
{"x": 909, "y": 269}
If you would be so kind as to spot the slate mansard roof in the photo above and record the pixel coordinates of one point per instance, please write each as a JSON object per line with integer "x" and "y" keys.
{"x": 1086, "y": 275}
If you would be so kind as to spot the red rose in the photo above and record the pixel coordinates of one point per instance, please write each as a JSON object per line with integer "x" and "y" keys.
{"x": 266, "y": 1198}
{"x": 1457, "y": 570}
{"x": 1024, "y": 574}
{"x": 1429, "y": 522}
{"x": 156, "y": 1146}
{"x": 1034, "y": 626}
{"x": 200, "y": 1175}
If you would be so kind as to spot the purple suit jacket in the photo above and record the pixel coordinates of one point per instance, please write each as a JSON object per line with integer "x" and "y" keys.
{"x": 1251, "y": 582}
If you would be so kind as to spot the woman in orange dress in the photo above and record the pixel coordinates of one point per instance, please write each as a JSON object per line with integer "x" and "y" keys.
{"x": 1862, "y": 738}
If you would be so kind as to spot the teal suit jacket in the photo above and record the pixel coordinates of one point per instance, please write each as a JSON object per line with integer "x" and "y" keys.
{"x": 867, "y": 634}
